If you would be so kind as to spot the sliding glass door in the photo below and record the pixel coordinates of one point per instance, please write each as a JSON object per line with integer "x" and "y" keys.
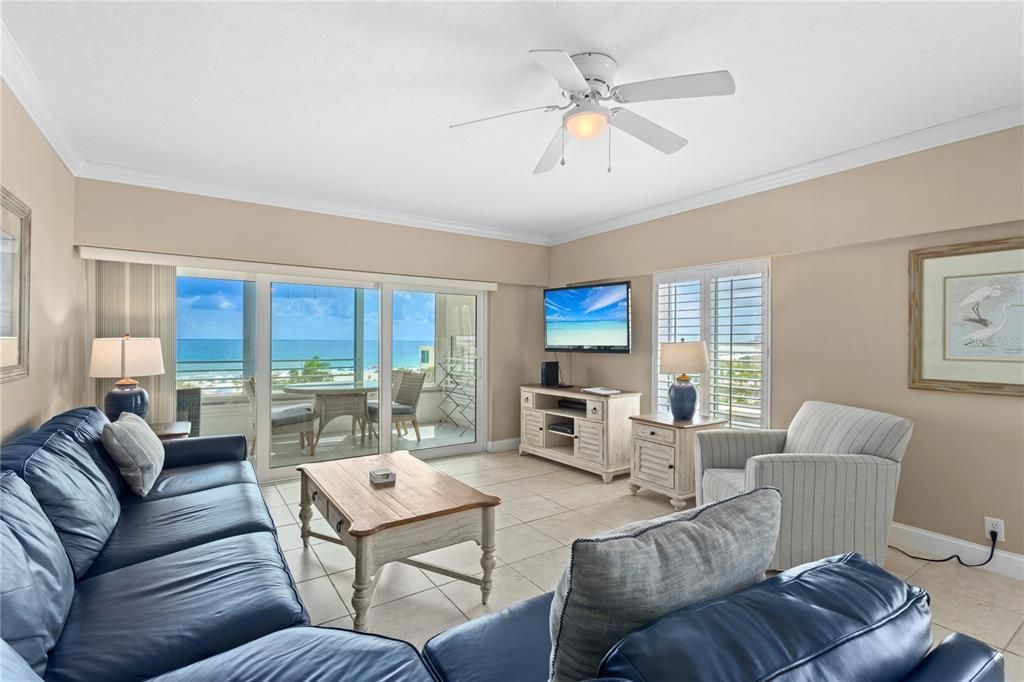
{"x": 324, "y": 369}
{"x": 314, "y": 369}
{"x": 435, "y": 378}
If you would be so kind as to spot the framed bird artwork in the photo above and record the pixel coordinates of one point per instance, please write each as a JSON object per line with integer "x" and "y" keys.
{"x": 967, "y": 317}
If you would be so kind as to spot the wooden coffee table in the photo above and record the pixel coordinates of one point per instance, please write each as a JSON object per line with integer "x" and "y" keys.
{"x": 423, "y": 511}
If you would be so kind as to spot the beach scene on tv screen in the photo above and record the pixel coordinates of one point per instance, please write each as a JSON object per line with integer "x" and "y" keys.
{"x": 587, "y": 316}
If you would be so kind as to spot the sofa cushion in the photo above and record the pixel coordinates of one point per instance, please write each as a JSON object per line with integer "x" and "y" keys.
{"x": 190, "y": 479}
{"x": 311, "y": 654}
{"x": 719, "y": 484}
{"x": 828, "y": 428}
{"x": 72, "y": 490}
{"x": 842, "y": 618}
{"x": 163, "y": 614}
{"x": 36, "y": 583}
{"x": 621, "y": 580}
{"x": 13, "y": 667}
{"x": 85, "y": 426}
{"x": 154, "y": 528}
{"x": 136, "y": 450}
{"x": 516, "y": 639}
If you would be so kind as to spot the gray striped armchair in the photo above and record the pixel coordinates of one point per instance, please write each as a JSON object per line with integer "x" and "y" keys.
{"x": 837, "y": 467}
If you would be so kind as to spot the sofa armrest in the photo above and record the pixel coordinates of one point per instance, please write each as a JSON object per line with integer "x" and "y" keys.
{"x": 204, "y": 450}
{"x": 831, "y": 504}
{"x": 511, "y": 644}
{"x": 959, "y": 657}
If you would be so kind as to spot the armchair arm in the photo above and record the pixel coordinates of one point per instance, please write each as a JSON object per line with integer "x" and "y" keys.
{"x": 731, "y": 448}
{"x": 204, "y": 450}
{"x": 831, "y": 504}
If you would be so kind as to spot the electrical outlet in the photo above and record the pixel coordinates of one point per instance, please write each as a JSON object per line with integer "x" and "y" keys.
{"x": 995, "y": 525}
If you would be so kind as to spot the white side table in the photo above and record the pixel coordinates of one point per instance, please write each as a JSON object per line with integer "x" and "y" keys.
{"x": 663, "y": 451}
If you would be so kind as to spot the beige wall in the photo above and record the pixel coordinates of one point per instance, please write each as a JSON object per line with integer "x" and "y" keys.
{"x": 974, "y": 182}
{"x": 839, "y": 309}
{"x": 839, "y": 333}
{"x": 126, "y": 217}
{"x": 516, "y": 351}
{"x": 32, "y": 171}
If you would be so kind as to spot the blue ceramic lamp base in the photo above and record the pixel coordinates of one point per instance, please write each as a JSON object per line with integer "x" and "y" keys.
{"x": 126, "y": 398}
{"x": 682, "y": 398}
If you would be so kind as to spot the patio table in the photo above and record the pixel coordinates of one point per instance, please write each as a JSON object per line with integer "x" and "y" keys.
{"x": 332, "y": 400}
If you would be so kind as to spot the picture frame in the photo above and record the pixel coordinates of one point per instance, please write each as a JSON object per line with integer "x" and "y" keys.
{"x": 967, "y": 317}
{"x": 15, "y": 279}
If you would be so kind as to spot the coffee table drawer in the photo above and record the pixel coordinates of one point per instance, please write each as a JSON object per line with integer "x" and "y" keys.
{"x": 319, "y": 499}
{"x": 339, "y": 524}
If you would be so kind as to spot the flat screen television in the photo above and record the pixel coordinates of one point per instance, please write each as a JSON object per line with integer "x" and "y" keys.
{"x": 587, "y": 319}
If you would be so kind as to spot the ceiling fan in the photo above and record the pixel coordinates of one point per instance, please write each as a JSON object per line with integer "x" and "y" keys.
{"x": 586, "y": 80}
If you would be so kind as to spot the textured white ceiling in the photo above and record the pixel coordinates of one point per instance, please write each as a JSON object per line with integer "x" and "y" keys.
{"x": 349, "y": 103}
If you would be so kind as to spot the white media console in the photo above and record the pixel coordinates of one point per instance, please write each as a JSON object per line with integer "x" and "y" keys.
{"x": 599, "y": 441}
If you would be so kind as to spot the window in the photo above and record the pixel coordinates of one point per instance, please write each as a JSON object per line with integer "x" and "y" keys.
{"x": 727, "y": 307}
{"x": 216, "y": 324}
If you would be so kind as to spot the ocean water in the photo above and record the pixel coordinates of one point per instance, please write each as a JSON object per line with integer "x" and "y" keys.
{"x": 197, "y": 358}
{"x": 587, "y": 333}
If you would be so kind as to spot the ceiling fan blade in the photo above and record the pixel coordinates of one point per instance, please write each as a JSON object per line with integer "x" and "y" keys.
{"x": 647, "y": 131}
{"x": 675, "y": 87}
{"x": 550, "y": 107}
{"x": 560, "y": 65}
{"x": 551, "y": 155}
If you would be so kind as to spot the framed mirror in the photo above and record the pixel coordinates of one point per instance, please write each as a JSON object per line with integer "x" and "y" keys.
{"x": 15, "y": 243}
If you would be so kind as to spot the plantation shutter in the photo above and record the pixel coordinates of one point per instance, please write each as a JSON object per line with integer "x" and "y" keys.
{"x": 677, "y": 319}
{"x": 727, "y": 307}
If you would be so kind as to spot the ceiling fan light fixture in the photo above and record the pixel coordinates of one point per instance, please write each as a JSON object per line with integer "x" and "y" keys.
{"x": 587, "y": 121}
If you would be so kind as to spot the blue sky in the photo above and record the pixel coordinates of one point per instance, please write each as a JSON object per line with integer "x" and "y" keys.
{"x": 212, "y": 309}
{"x": 587, "y": 303}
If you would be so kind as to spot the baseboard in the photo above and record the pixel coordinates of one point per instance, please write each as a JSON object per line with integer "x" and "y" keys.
{"x": 920, "y": 541}
{"x": 502, "y": 445}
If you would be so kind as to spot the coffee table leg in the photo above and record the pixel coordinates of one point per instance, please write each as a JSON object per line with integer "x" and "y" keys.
{"x": 305, "y": 510}
{"x": 487, "y": 559}
{"x": 362, "y": 586}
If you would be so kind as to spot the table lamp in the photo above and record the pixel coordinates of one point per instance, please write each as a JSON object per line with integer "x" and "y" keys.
{"x": 680, "y": 358}
{"x": 126, "y": 357}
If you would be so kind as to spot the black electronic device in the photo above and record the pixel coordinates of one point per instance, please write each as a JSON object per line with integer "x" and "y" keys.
{"x": 572, "y": 404}
{"x": 590, "y": 318}
{"x": 562, "y": 427}
{"x": 549, "y": 374}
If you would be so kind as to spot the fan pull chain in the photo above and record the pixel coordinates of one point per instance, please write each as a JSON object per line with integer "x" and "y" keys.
{"x": 563, "y": 144}
{"x": 609, "y": 150}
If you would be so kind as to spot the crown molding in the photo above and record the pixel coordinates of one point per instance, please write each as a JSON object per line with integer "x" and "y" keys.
{"x": 984, "y": 123}
{"x": 94, "y": 170}
{"x": 15, "y": 71}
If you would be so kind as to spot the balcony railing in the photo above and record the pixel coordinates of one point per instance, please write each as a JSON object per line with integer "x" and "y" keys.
{"x": 226, "y": 376}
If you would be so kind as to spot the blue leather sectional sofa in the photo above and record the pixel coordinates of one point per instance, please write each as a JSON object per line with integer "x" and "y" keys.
{"x": 190, "y": 584}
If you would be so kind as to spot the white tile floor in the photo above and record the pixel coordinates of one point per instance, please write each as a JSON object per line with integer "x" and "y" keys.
{"x": 545, "y": 506}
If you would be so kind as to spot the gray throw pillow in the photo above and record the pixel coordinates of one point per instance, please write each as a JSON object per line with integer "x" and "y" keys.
{"x": 136, "y": 450}
{"x": 621, "y": 580}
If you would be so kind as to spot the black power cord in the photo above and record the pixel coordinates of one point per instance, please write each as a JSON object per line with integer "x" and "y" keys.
{"x": 991, "y": 553}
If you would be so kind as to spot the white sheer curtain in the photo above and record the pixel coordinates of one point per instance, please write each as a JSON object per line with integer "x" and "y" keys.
{"x": 139, "y": 299}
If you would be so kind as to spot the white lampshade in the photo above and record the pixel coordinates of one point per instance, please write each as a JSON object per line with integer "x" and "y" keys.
{"x": 126, "y": 357}
{"x": 683, "y": 357}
